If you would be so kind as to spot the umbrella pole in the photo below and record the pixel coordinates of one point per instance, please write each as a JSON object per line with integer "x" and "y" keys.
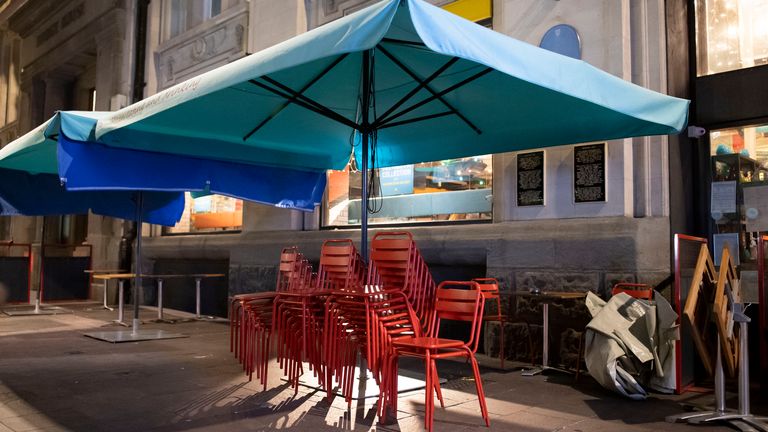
{"x": 137, "y": 277}
{"x": 364, "y": 202}
{"x": 366, "y": 132}
{"x": 40, "y": 283}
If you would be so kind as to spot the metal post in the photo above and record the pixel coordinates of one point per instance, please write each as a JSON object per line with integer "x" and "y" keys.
{"x": 106, "y": 288}
{"x": 160, "y": 299}
{"x": 42, "y": 274}
{"x": 197, "y": 297}
{"x": 137, "y": 279}
{"x": 743, "y": 370}
{"x": 366, "y": 100}
{"x": 120, "y": 300}
{"x": 545, "y": 341}
{"x": 719, "y": 380}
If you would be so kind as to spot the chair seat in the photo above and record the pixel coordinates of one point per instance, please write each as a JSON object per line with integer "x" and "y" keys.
{"x": 495, "y": 318}
{"x": 428, "y": 343}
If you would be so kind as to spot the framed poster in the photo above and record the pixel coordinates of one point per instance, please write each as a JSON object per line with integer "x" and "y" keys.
{"x": 530, "y": 179}
{"x": 589, "y": 173}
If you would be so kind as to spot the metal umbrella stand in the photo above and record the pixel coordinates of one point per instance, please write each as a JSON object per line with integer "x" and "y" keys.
{"x": 742, "y": 418}
{"x": 136, "y": 334}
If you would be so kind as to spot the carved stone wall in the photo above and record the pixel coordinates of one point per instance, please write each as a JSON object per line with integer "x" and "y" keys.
{"x": 215, "y": 42}
{"x": 324, "y": 11}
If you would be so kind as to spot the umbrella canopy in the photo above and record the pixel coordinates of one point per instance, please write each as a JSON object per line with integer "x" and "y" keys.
{"x": 413, "y": 82}
{"x": 31, "y": 185}
{"x": 430, "y": 84}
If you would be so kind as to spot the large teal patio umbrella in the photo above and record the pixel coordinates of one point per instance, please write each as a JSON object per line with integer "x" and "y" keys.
{"x": 399, "y": 82}
{"x": 31, "y": 186}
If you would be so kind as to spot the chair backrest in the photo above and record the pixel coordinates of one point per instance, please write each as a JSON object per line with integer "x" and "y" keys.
{"x": 390, "y": 260}
{"x": 294, "y": 272}
{"x": 341, "y": 267}
{"x": 490, "y": 290}
{"x": 396, "y": 264}
{"x": 638, "y": 291}
{"x": 489, "y": 287}
{"x": 459, "y": 301}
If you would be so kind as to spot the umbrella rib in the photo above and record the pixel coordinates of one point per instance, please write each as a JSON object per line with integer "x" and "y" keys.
{"x": 285, "y": 104}
{"x": 404, "y": 42}
{"x": 437, "y": 95}
{"x": 417, "y": 119}
{"x": 324, "y": 109}
{"x": 413, "y": 75}
{"x": 422, "y": 83}
{"x": 314, "y": 107}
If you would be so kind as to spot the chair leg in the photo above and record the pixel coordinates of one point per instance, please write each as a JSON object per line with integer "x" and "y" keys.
{"x": 502, "y": 355}
{"x": 579, "y": 355}
{"x": 480, "y": 392}
{"x": 429, "y": 405}
{"x": 436, "y": 384}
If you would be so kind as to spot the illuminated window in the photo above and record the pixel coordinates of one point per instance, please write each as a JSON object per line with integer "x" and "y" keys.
{"x": 450, "y": 190}
{"x": 749, "y": 141}
{"x": 731, "y": 34}
{"x": 209, "y": 213}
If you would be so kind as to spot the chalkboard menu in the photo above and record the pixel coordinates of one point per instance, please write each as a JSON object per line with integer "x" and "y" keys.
{"x": 589, "y": 173}
{"x": 530, "y": 179}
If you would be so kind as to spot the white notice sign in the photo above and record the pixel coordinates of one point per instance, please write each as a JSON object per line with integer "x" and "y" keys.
{"x": 730, "y": 241}
{"x": 756, "y": 208}
{"x": 723, "y": 197}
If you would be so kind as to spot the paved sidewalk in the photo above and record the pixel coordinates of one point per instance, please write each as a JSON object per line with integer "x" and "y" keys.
{"x": 54, "y": 379}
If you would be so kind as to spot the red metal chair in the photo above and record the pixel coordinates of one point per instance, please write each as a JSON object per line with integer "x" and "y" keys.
{"x": 453, "y": 302}
{"x": 491, "y": 292}
{"x": 251, "y": 318}
{"x": 636, "y": 290}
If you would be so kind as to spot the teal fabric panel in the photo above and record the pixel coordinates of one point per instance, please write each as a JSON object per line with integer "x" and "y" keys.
{"x": 532, "y": 98}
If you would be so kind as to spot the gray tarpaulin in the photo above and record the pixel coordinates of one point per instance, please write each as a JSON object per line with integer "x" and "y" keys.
{"x": 630, "y": 344}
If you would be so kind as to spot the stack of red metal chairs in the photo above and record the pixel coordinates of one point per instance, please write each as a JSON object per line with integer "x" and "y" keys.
{"x": 344, "y": 319}
{"x": 397, "y": 278}
{"x": 251, "y": 316}
{"x": 300, "y": 315}
{"x": 328, "y": 319}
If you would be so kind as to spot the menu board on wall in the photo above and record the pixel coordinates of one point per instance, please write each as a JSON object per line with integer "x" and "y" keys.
{"x": 530, "y": 179}
{"x": 589, "y": 173}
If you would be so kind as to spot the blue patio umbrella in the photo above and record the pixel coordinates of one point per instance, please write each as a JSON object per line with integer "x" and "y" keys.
{"x": 31, "y": 184}
{"x": 396, "y": 83}
{"x": 147, "y": 187}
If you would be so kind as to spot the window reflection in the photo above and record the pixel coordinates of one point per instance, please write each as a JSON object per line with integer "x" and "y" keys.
{"x": 455, "y": 189}
{"x": 731, "y": 34}
{"x": 209, "y": 213}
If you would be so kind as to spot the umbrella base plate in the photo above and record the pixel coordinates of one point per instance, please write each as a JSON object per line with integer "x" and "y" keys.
{"x": 121, "y": 336}
{"x": 48, "y": 310}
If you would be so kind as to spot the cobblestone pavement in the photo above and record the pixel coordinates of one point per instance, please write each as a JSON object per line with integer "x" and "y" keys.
{"x": 52, "y": 378}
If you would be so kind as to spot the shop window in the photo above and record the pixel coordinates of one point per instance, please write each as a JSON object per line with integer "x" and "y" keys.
{"x": 450, "y": 190}
{"x": 749, "y": 141}
{"x": 209, "y": 213}
{"x": 187, "y": 14}
{"x": 731, "y": 34}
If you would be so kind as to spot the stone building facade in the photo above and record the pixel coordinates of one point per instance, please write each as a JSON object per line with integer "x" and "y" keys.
{"x": 80, "y": 54}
